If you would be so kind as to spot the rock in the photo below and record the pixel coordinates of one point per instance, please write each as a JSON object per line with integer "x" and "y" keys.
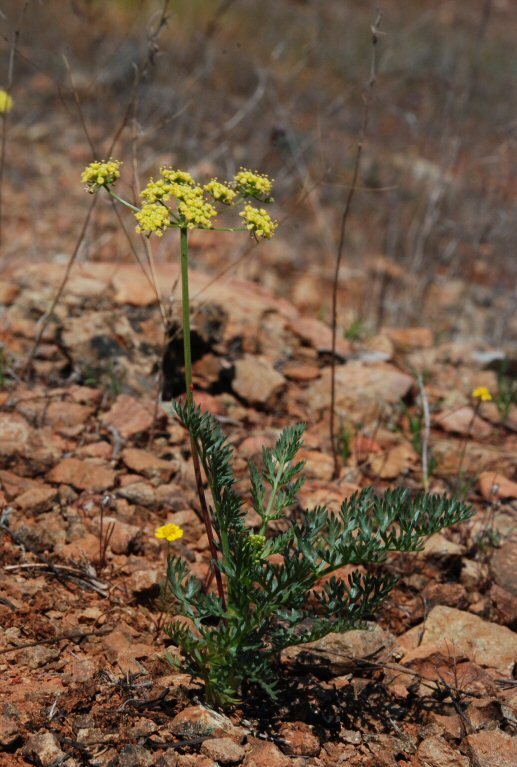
{"x": 142, "y": 581}
{"x": 15, "y": 435}
{"x": 8, "y": 292}
{"x": 37, "y": 499}
{"x": 464, "y": 421}
{"x": 43, "y": 749}
{"x": 134, "y": 756}
{"x": 139, "y": 493}
{"x": 99, "y": 449}
{"x": 39, "y": 656}
{"x": 492, "y": 749}
{"x": 130, "y": 416}
{"x": 84, "y": 548}
{"x": 449, "y": 631}
{"x": 384, "y": 747}
{"x": 198, "y": 721}
{"x": 360, "y": 388}
{"x": 339, "y": 653}
{"x": 504, "y": 566}
{"x": 317, "y": 465}
{"x": 10, "y": 729}
{"x": 397, "y": 460}
{"x": 298, "y": 371}
{"x": 63, "y": 415}
{"x": 484, "y": 713}
{"x": 314, "y": 493}
{"x": 436, "y": 752}
{"x": 493, "y": 485}
{"x": 298, "y": 739}
{"x": 362, "y": 446}
{"x": 194, "y": 760}
{"x": 122, "y": 648}
{"x": 223, "y": 750}
{"x": 84, "y": 474}
{"x": 317, "y": 334}
{"x": 473, "y": 573}
{"x": 263, "y": 753}
{"x": 143, "y": 462}
{"x": 170, "y": 496}
{"x": 451, "y": 594}
{"x": 254, "y": 445}
{"x": 505, "y": 606}
{"x": 122, "y": 536}
{"x": 14, "y": 485}
{"x": 408, "y": 339}
{"x": 81, "y": 670}
{"x": 439, "y": 547}
{"x": 256, "y": 380}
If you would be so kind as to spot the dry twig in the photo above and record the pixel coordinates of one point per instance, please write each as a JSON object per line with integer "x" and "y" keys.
{"x": 341, "y": 245}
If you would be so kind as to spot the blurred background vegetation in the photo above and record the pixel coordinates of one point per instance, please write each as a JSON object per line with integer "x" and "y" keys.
{"x": 278, "y": 86}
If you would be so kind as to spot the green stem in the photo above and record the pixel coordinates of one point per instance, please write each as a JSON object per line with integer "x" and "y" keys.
{"x": 185, "y": 300}
{"x": 185, "y": 297}
{"x": 274, "y": 490}
{"x": 124, "y": 202}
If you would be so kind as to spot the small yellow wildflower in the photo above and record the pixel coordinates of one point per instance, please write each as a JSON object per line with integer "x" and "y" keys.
{"x": 6, "y": 102}
{"x": 98, "y": 174}
{"x": 177, "y": 176}
{"x": 258, "y": 222}
{"x": 156, "y": 191}
{"x": 482, "y": 393}
{"x": 170, "y": 532}
{"x": 256, "y": 185}
{"x": 153, "y": 217}
{"x": 195, "y": 211}
{"x": 220, "y": 192}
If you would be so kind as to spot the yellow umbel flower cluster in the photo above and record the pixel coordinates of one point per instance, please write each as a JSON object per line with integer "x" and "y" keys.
{"x": 169, "y": 532}
{"x": 177, "y": 176}
{"x": 220, "y": 192}
{"x": 482, "y": 393}
{"x": 258, "y": 222}
{"x": 6, "y": 102}
{"x": 98, "y": 174}
{"x": 195, "y": 211}
{"x": 156, "y": 191}
{"x": 256, "y": 185}
{"x": 154, "y": 217}
{"x": 190, "y": 208}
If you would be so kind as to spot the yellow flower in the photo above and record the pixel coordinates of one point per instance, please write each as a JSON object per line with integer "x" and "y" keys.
{"x": 156, "y": 191}
{"x": 482, "y": 393}
{"x": 153, "y": 217}
{"x": 258, "y": 222}
{"x": 177, "y": 176}
{"x": 195, "y": 211}
{"x": 6, "y": 102}
{"x": 256, "y": 185}
{"x": 220, "y": 192}
{"x": 170, "y": 532}
{"x": 98, "y": 174}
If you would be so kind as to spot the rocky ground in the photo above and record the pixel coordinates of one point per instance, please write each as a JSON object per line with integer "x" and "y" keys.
{"x": 92, "y": 462}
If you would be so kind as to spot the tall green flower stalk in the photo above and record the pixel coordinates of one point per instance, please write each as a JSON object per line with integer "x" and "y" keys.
{"x": 176, "y": 201}
{"x": 189, "y": 389}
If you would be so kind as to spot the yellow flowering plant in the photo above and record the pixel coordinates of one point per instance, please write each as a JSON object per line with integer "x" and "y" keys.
{"x": 6, "y": 102}
{"x": 169, "y": 532}
{"x": 275, "y": 585}
{"x": 482, "y": 393}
